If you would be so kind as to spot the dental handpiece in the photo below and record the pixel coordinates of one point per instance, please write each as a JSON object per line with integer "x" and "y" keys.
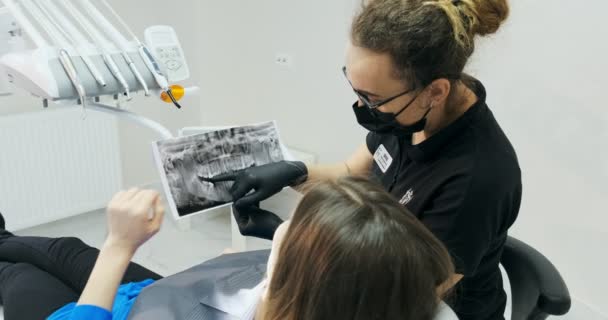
{"x": 153, "y": 66}
{"x": 94, "y": 71}
{"x": 68, "y": 65}
{"x": 117, "y": 74}
{"x": 136, "y": 72}
{"x": 160, "y": 78}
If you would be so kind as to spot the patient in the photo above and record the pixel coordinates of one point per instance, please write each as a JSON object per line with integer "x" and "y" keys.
{"x": 350, "y": 252}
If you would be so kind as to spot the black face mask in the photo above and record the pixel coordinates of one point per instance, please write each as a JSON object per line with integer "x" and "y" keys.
{"x": 383, "y": 122}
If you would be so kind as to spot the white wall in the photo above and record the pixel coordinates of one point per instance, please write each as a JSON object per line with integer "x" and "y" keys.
{"x": 546, "y": 77}
{"x": 311, "y": 100}
{"x": 545, "y": 74}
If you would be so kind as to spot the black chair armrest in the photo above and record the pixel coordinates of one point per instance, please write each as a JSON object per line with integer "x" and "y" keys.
{"x": 537, "y": 286}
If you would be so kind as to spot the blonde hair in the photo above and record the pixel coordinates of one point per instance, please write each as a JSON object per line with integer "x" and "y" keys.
{"x": 473, "y": 17}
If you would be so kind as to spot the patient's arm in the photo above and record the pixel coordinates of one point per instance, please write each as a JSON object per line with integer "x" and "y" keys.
{"x": 129, "y": 226}
{"x": 106, "y": 276}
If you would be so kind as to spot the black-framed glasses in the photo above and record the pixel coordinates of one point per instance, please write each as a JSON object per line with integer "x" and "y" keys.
{"x": 365, "y": 99}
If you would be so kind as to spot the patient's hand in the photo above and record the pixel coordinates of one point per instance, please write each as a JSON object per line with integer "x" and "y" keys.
{"x": 130, "y": 225}
{"x": 134, "y": 216}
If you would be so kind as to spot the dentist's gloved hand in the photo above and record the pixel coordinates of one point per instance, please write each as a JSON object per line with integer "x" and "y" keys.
{"x": 266, "y": 181}
{"x": 256, "y": 222}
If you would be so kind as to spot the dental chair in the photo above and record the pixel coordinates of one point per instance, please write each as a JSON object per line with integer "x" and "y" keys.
{"x": 537, "y": 288}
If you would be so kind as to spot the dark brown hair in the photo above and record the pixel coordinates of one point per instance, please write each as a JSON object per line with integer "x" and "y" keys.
{"x": 427, "y": 39}
{"x": 353, "y": 252}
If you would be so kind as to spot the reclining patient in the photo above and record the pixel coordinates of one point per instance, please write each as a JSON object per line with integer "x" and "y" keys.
{"x": 350, "y": 252}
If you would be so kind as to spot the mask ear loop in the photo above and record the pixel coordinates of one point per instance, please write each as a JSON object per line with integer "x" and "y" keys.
{"x": 431, "y": 106}
{"x": 426, "y": 114}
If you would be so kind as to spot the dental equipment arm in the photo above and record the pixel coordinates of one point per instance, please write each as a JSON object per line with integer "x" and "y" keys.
{"x": 146, "y": 55}
{"x": 54, "y": 71}
{"x": 25, "y": 23}
{"x": 118, "y": 39}
{"x": 162, "y": 132}
{"x": 49, "y": 27}
{"x": 100, "y": 40}
{"x": 64, "y": 56}
{"x": 73, "y": 34}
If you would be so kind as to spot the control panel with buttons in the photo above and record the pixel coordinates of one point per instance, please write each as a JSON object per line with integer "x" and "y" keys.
{"x": 164, "y": 44}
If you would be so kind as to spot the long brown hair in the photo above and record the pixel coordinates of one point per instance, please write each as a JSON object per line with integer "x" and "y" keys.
{"x": 353, "y": 252}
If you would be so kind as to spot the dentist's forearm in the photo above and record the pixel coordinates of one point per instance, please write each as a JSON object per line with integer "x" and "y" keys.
{"x": 327, "y": 172}
{"x": 359, "y": 164}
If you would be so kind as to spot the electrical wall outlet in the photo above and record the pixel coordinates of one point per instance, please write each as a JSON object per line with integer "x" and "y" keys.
{"x": 283, "y": 60}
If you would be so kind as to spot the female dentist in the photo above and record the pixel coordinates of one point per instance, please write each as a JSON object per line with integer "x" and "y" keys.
{"x": 433, "y": 142}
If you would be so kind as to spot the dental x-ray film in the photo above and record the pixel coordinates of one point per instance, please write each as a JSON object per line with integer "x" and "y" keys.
{"x": 184, "y": 162}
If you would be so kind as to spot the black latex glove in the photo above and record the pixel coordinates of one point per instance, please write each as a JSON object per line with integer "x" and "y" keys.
{"x": 256, "y": 222}
{"x": 266, "y": 181}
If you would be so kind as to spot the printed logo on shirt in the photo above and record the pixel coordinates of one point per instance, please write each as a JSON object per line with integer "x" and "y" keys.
{"x": 383, "y": 158}
{"x": 407, "y": 197}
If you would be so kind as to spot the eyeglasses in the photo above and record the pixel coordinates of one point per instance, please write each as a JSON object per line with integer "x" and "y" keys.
{"x": 365, "y": 99}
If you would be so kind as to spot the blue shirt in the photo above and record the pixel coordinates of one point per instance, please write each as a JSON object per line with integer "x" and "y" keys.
{"x": 127, "y": 293}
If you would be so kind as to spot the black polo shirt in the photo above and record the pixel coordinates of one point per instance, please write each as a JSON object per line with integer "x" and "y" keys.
{"x": 464, "y": 184}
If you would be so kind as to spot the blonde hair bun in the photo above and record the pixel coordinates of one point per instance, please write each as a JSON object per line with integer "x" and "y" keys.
{"x": 487, "y": 15}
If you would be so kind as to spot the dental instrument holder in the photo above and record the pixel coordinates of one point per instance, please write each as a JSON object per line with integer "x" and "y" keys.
{"x": 93, "y": 89}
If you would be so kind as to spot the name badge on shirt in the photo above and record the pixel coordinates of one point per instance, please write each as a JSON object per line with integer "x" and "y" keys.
{"x": 383, "y": 158}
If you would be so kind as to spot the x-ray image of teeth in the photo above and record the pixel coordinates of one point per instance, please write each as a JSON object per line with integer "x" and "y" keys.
{"x": 183, "y": 161}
